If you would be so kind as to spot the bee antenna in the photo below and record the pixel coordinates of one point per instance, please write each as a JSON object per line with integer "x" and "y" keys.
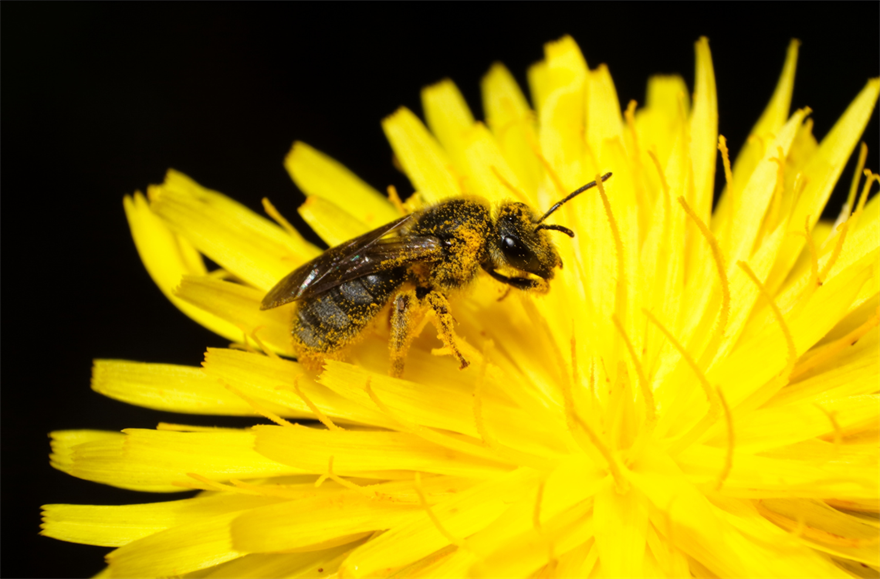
{"x": 564, "y": 230}
{"x": 571, "y": 196}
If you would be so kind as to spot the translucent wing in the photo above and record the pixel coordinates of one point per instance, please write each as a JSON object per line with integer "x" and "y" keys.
{"x": 355, "y": 258}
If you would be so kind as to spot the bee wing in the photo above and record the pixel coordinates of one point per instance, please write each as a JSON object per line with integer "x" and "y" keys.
{"x": 350, "y": 260}
{"x": 381, "y": 256}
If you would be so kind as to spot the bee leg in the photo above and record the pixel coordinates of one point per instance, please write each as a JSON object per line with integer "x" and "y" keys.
{"x": 443, "y": 321}
{"x": 405, "y": 315}
{"x": 310, "y": 359}
{"x": 506, "y": 293}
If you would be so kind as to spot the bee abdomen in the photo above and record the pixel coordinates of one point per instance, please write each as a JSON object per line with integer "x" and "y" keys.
{"x": 331, "y": 320}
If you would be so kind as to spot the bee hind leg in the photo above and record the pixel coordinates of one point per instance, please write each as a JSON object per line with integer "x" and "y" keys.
{"x": 443, "y": 321}
{"x": 310, "y": 359}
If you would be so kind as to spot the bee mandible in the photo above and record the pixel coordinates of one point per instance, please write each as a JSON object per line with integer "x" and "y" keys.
{"x": 415, "y": 263}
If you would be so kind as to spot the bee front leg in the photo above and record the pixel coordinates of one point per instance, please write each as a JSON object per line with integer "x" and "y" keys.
{"x": 443, "y": 321}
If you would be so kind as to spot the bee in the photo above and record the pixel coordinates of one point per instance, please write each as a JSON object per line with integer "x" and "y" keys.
{"x": 415, "y": 263}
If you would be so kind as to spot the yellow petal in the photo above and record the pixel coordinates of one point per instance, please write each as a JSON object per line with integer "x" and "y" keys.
{"x": 332, "y": 224}
{"x": 856, "y": 247}
{"x": 684, "y": 515}
{"x": 446, "y": 111}
{"x": 181, "y": 549}
{"x": 825, "y": 167}
{"x": 602, "y": 116}
{"x": 620, "y": 523}
{"x": 744, "y": 293}
{"x": 448, "y": 562}
{"x": 522, "y": 362}
{"x": 114, "y": 526}
{"x": 758, "y": 361}
{"x": 443, "y": 401}
{"x": 65, "y": 442}
{"x": 448, "y": 117}
{"x": 561, "y": 115}
{"x": 528, "y": 554}
{"x": 273, "y": 383}
{"x": 704, "y": 132}
{"x": 166, "y": 387}
{"x": 754, "y": 198}
{"x": 461, "y": 515}
{"x": 513, "y": 125}
{"x": 152, "y": 460}
{"x": 310, "y": 450}
{"x": 767, "y": 550}
{"x": 580, "y": 561}
{"x": 769, "y": 124}
{"x": 543, "y": 524}
{"x": 779, "y": 475}
{"x": 671, "y": 560}
{"x": 319, "y": 175}
{"x": 856, "y": 449}
{"x": 539, "y": 83}
{"x": 323, "y": 563}
{"x": 628, "y": 298}
{"x": 851, "y": 373}
{"x": 659, "y": 122}
{"x": 240, "y": 305}
{"x": 827, "y": 529}
{"x": 774, "y": 427}
{"x": 480, "y": 159}
{"x": 243, "y": 243}
{"x": 167, "y": 258}
{"x": 664, "y": 256}
{"x": 424, "y": 161}
{"x": 293, "y": 525}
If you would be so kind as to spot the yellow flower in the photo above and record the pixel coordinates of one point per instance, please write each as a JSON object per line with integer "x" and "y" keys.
{"x": 697, "y": 394}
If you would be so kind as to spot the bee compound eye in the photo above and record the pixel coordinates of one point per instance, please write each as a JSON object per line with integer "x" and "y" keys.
{"x": 517, "y": 254}
{"x": 513, "y": 247}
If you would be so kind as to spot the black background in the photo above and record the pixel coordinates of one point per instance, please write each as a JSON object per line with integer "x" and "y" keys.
{"x": 100, "y": 99}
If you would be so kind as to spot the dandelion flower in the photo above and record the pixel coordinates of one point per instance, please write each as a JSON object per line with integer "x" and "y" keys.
{"x": 696, "y": 395}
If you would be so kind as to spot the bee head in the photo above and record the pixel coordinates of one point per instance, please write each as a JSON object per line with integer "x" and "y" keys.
{"x": 521, "y": 244}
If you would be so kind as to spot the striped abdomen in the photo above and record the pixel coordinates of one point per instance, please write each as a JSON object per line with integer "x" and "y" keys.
{"x": 331, "y": 320}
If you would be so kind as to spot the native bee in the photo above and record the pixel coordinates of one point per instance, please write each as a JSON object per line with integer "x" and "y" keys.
{"x": 414, "y": 263}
